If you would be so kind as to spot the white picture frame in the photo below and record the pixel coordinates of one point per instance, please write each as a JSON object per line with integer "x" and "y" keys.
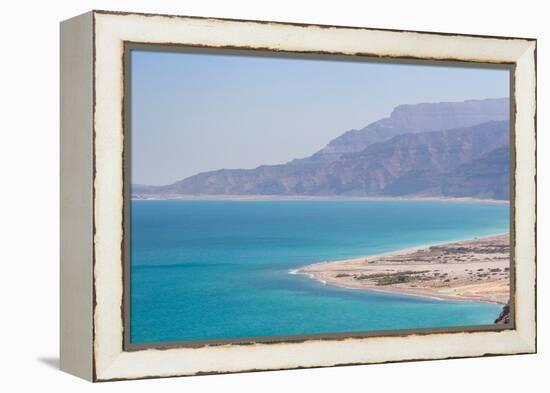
{"x": 93, "y": 193}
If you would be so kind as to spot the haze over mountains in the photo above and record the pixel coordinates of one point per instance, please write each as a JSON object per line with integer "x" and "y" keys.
{"x": 450, "y": 149}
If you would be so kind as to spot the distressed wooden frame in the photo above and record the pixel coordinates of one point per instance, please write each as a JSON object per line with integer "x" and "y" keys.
{"x": 93, "y": 189}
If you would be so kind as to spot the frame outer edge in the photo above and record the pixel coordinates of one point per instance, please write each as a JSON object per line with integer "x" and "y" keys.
{"x": 76, "y": 204}
{"x": 526, "y": 198}
{"x": 117, "y": 366}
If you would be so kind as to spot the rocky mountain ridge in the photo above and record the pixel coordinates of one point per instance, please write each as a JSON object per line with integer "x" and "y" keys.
{"x": 442, "y": 149}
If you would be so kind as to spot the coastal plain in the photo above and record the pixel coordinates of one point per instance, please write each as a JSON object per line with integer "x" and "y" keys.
{"x": 476, "y": 269}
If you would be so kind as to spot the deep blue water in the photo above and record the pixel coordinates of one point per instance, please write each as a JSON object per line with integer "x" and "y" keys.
{"x": 219, "y": 269}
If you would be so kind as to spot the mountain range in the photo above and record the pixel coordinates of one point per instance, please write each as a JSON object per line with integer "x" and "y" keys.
{"x": 450, "y": 149}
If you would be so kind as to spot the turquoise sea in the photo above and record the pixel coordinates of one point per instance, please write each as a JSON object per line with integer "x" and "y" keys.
{"x": 205, "y": 270}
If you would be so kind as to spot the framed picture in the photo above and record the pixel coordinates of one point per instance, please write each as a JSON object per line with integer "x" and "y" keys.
{"x": 245, "y": 195}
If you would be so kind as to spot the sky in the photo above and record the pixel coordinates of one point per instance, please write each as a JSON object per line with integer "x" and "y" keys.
{"x": 195, "y": 112}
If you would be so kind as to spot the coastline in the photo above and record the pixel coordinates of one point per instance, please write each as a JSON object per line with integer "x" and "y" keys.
{"x": 467, "y": 270}
{"x": 154, "y": 197}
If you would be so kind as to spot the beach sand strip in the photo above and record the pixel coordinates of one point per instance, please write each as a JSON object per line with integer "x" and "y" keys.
{"x": 476, "y": 269}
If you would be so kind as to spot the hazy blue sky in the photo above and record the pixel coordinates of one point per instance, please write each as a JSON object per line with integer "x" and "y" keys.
{"x": 197, "y": 112}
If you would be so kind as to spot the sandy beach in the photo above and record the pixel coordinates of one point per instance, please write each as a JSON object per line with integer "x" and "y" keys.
{"x": 155, "y": 197}
{"x": 476, "y": 269}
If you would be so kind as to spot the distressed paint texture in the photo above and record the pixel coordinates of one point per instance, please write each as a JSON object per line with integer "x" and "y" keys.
{"x": 112, "y": 30}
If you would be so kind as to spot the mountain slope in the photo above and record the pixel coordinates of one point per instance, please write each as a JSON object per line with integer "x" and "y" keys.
{"x": 405, "y": 165}
{"x": 487, "y": 177}
{"x": 424, "y": 149}
{"x": 424, "y": 117}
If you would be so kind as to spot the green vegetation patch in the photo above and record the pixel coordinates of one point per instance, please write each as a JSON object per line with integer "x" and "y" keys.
{"x": 381, "y": 279}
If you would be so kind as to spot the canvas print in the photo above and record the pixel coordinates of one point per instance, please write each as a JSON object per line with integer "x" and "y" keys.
{"x": 279, "y": 196}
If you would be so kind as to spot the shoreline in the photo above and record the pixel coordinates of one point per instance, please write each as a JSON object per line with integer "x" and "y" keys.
{"x": 395, "y": 292}
{"x": 153, "y": 197}
{"x": 467, "y": 270}
{"x": 398, "y": 292}
{"x": 404, "y": 250}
